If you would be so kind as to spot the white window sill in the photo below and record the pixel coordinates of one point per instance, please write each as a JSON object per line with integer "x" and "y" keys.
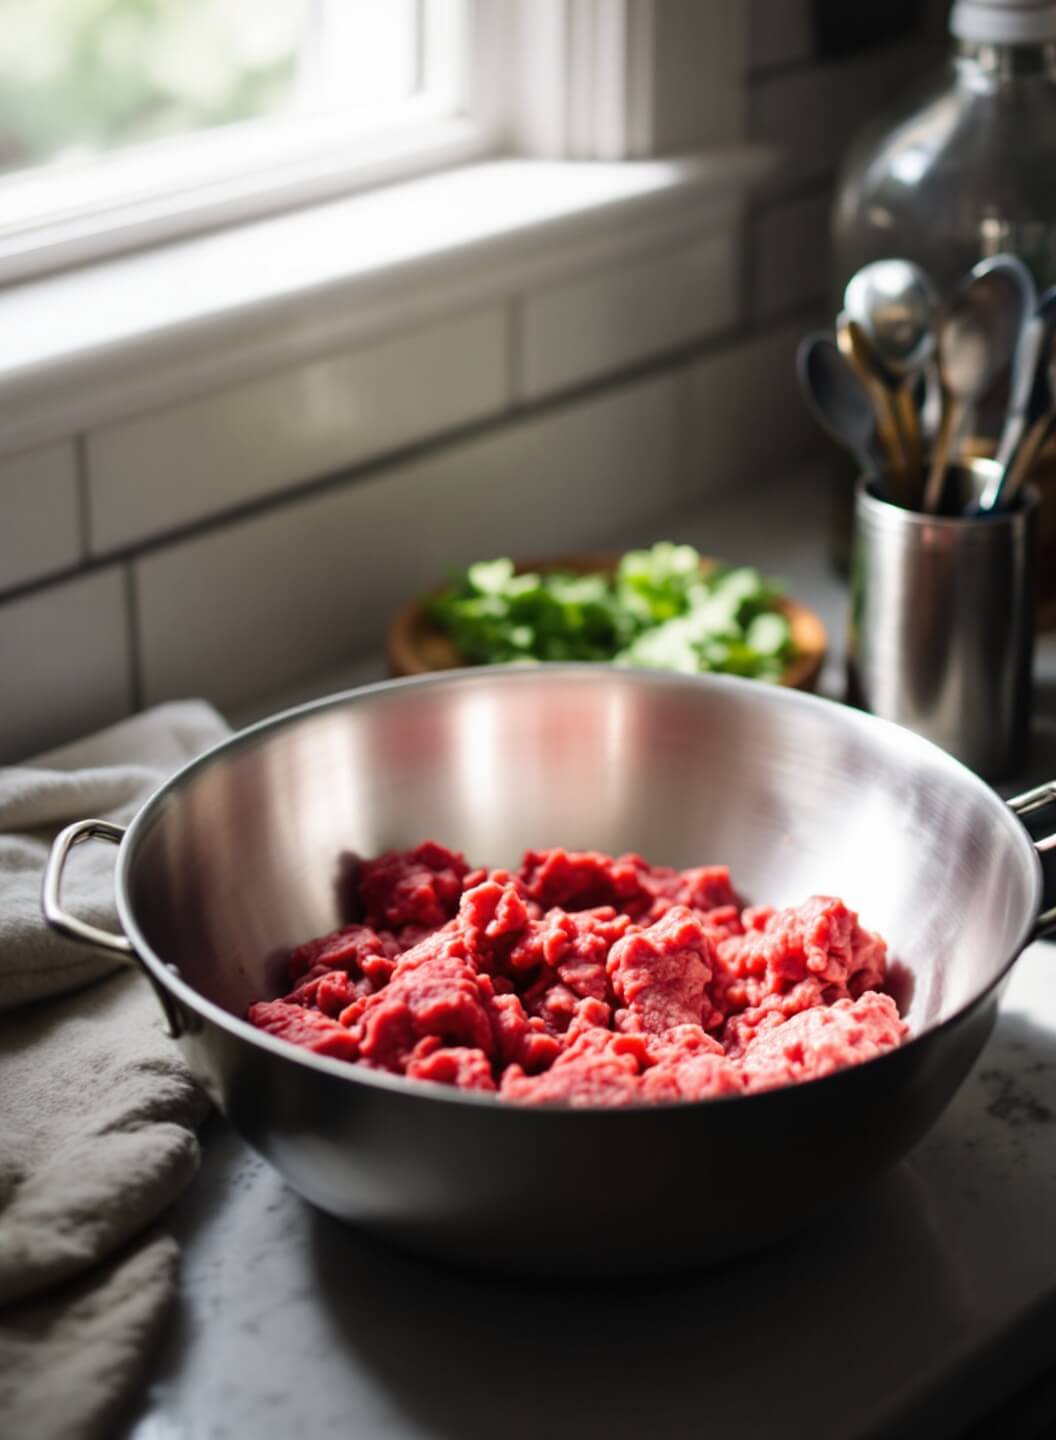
{"x": 141, "y": 331}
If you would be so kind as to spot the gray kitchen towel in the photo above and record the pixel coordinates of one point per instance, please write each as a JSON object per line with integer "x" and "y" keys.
{"x": 97, "y": 1110}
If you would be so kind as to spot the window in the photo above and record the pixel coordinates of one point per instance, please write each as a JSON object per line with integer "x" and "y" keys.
{"x": 128, "y": 121}
{"x": 124, "y": 123}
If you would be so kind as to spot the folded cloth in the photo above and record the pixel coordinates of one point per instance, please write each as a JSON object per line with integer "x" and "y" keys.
{"x": 97, "y": 1109}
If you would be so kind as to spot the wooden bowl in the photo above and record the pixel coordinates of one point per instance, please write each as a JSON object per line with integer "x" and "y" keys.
{"x": 415, "y": 646}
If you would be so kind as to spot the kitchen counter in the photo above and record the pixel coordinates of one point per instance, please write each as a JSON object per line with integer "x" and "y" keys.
{"x": 920, "y": 1310}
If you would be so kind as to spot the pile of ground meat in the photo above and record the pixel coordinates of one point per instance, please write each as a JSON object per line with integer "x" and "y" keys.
{"x": 584, "y": 980}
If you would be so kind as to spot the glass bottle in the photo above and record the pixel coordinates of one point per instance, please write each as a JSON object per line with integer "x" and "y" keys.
{"x": 965, "y": 166}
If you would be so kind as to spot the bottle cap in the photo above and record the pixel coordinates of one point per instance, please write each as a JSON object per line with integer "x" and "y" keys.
{"x": 1004, "y": 22}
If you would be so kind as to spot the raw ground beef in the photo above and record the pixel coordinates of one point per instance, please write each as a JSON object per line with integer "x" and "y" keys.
{"x": 585, "y": 980}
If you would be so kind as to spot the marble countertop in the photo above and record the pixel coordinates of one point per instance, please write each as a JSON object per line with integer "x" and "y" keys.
{"x": 922, "y": 1308}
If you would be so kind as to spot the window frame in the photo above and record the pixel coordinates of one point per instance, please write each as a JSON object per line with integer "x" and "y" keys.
{"x": 584, "y": 82}
{"x": 312, "y": 160}
{"x": 544, "y": 79}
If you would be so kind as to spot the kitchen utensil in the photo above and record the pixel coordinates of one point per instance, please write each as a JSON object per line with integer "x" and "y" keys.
{"x": 242, "y": 855}
{"x": 415, "y": 645}
{"x": 942, "y": 620}
{"x": 977, "y": 340}
{"x": 927, "y": 397}
{"x": 857, "y": 352}
{"x": 839, "y": 400}
{"x": 1024, "y": 459}
{"x": 896, "y": 307}
{"x": 1032, "y": 400}
{"x": 1026, "y": 372}
{"x": 895, "y": 304}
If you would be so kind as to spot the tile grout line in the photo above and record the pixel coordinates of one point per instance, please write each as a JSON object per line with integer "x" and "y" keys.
{"x": 514, "y": 336}
{"x": 756, "y": 75}
{"x": 133, "y": 638}
{"x": 747, "y": 269}
{"x": 84, "y": 519}
{"x": 779, "y": 197}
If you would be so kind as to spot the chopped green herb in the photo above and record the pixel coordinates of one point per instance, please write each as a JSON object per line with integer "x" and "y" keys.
{"x": 660, "y": 610}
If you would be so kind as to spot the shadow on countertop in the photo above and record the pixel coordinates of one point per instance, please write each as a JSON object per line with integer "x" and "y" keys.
{"x": 472, "y": 1356}
{"x": 298, "y": 1325}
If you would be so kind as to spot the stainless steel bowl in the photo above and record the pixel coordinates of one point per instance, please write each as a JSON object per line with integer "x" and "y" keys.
{"x": 239, "y": 857}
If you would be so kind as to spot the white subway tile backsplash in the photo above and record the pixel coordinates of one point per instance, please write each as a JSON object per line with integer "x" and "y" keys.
{"x": 744, "y": 415}
{"x": 253, "y": 605}
{"x": 791, "y": 255}
{"x": 172, "y": 467}
{"x": 39, "y": 520}
{"x": 779, "y": 32}
{"x": 64, "y": 663}
{"x": 811, "y": 115}
{"x": 699, "y": 104}
{"x": 602, "y": 321}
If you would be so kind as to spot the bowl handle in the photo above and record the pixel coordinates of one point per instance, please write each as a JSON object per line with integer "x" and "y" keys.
{"x": 1029, "y": 803}
{"x": 69, "y": 926}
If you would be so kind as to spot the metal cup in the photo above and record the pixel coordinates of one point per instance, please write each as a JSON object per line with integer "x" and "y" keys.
{"x": 942, "y": 622}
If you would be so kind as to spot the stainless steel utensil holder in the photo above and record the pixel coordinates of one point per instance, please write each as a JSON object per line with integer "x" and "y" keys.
{"x": 942, "y": 623}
